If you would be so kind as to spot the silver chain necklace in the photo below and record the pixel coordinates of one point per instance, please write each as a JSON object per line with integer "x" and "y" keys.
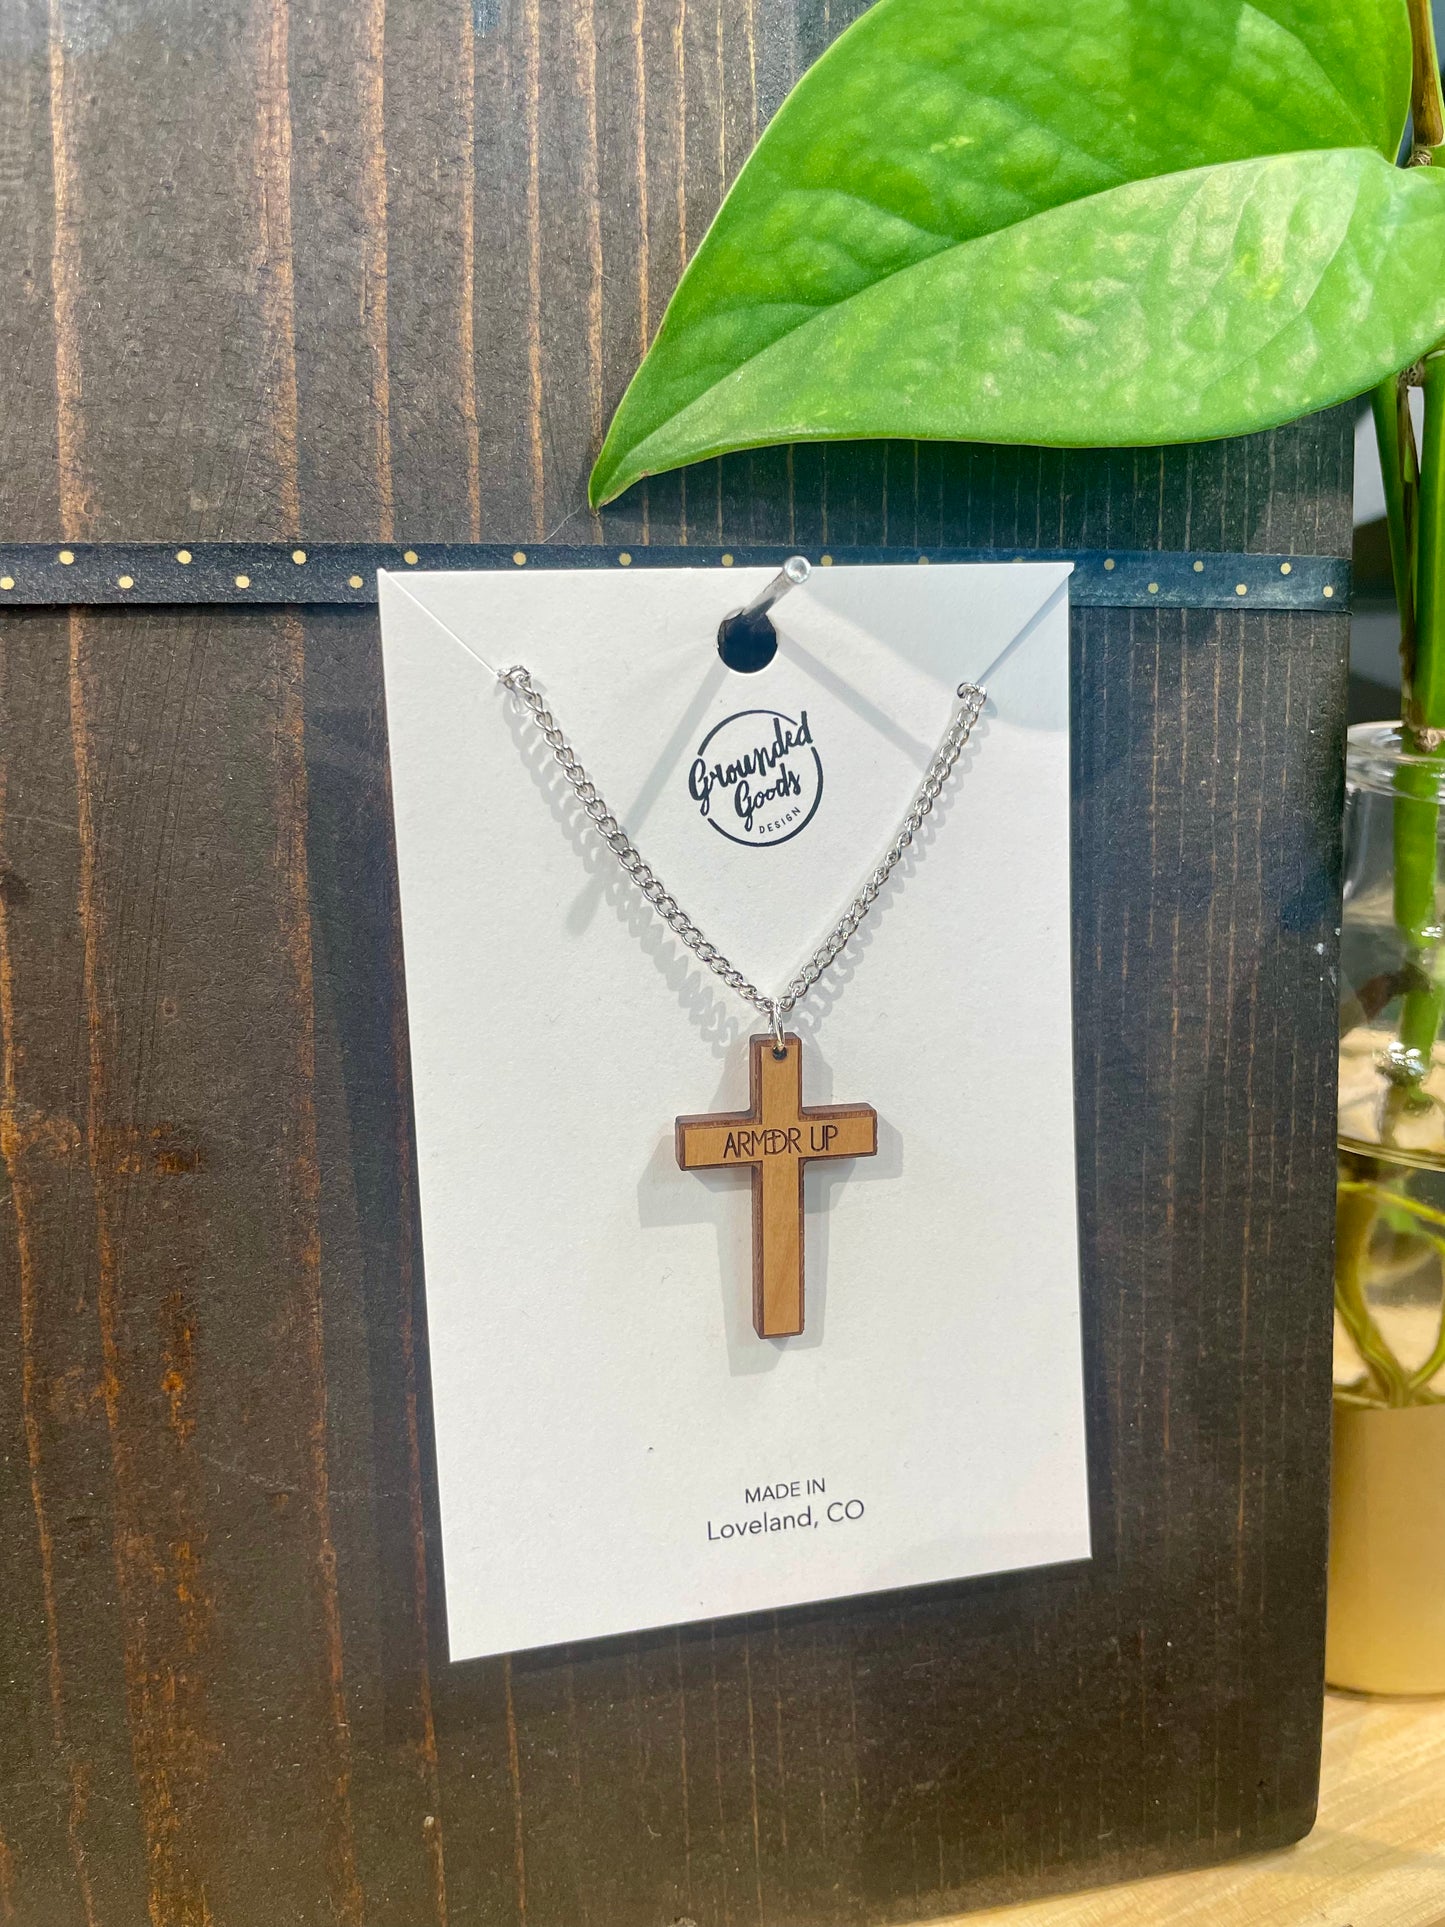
{"x": 970, "y": 706}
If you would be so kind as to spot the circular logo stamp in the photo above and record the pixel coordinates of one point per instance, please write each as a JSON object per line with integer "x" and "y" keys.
{"x": 757, "y": 777}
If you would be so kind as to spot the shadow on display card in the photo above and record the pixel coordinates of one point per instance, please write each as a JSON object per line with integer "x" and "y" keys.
{"x": 616, "y": 1448}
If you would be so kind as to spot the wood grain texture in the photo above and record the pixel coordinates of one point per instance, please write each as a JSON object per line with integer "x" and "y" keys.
{"x": 1376, "y": 1858}
{"x": 254, "y": 288}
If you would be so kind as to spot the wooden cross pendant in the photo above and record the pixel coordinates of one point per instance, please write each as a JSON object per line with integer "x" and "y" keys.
{"x": 775, "y": 1137}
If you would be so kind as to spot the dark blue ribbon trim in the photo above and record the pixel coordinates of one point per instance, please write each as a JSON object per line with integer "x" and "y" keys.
{"x": 115, "y": 573}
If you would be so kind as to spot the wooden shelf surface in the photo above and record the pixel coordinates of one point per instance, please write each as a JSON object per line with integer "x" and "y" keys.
{"x": 1375, "y": 1859}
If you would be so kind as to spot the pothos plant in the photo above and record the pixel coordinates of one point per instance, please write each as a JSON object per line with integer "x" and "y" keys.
{"x": 1092, "y": 223}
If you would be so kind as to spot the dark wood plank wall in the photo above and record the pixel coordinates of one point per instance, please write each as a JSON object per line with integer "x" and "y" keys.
{"x": 370, "y": 270}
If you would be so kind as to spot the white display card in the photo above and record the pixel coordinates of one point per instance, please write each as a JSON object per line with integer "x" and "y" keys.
{"x": 616, "y": 1447}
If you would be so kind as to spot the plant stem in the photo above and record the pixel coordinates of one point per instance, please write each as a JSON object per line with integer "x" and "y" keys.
{"x": 1398, "y": 468}
{"x": 1427, "y": 111}
{"x": 1385, "y": 1194}
{"x": 1361, "y": 1199}
{"x": 1417, "y": 808}
{"x": 1357, "y": 1210}
{"x": 1418, "y": 1387}
{"x": 1428, "y": 691}
{"x": 1416, "y": 830}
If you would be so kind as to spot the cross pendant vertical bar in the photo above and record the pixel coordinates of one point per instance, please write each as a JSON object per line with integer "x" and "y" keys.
{"x": 775, "y": 1138}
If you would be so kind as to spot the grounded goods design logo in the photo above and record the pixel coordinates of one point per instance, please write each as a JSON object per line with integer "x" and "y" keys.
{"x": 757, "y": 778}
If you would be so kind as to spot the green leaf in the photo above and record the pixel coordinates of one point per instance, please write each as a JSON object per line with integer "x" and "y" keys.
{"x": 1178, "y": 309}
{"x": 920, "y": 155}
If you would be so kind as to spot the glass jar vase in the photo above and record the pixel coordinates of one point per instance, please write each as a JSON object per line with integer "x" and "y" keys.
{"x": 1387, "y": 1552}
